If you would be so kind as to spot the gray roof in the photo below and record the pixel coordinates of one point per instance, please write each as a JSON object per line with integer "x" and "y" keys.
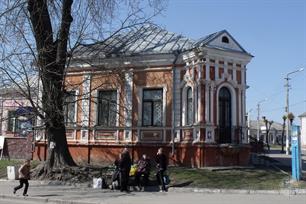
{"x": 147, "y": 39}
{"x": 275, "y": 125}
{"x": 302, "y": 115}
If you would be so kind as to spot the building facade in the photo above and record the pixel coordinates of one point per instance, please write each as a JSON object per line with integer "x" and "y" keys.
{"x": 303, "y": 130}
{"x": 16, "y": 122}
{"x": 150, "y": 88}
{"x": 275, "y": 132}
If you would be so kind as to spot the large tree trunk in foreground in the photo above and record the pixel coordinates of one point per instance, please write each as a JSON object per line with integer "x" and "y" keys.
{"x": 52, "y": 55}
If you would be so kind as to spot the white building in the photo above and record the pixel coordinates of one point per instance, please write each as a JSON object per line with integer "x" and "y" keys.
{"x": 303, "y": 130}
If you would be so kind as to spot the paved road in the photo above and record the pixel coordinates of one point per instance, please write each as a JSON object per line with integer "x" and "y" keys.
{"x": 189, "y": 198}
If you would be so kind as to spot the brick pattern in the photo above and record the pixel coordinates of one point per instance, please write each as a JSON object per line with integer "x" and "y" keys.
{"x": 18, "y": 147}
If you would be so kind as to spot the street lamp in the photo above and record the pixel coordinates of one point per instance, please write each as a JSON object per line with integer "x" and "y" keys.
{"x": 258, "y": 116}
{"x": 287, "y": 107}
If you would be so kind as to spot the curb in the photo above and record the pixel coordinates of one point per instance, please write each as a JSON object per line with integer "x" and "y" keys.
{"x": 44, "y": 200}
{"x": 240, "y": 191}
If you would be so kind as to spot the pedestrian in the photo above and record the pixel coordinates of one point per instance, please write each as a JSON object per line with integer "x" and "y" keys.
{"x": 116, "y": 174}
{"x": 125, "y": 167}
{"x": 24, "y": 176}
{"x": 143, "y": 169}
{"x": 161, "y": 161}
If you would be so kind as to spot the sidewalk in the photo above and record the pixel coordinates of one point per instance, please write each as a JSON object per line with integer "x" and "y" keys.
{"x": 42, "y": 192}
{"x": 284, "y": 160}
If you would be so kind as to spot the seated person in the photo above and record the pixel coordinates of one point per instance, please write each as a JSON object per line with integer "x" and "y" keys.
{"x": 143, "y": 168}
{"x": 116, "y": 176}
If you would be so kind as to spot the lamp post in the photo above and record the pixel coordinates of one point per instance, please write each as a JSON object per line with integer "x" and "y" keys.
{"x": 287, "y": 107}
{"x": 258, "y": 116}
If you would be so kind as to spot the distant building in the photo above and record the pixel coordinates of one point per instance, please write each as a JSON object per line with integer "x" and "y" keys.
{"x": 303, "y": 129}
{"x": 16, "y": 122}
{"x": 275, "y": 133}
{"x": 150, "y": 88}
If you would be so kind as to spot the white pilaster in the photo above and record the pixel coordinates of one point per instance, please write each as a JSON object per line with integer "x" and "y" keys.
{"x": 207, "y": 103}
{"x": 128, "y": 105}
{"x": 225, "y": 68}
{"x": 216, "y": 70}
{"x": 239, "y": 108}
{"x": 195, "y": 104}
{"x": 207, "y": 67}
{"x": 85, "y": 107}
{"x": 234, "y": 73}
{"x": 212, "y": 104}
{"x": 200, "y": 105}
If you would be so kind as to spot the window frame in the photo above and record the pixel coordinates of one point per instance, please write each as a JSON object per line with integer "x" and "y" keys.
{"x": 109, "y": 102}
{"x": 152, "y": 102}
{"x": 66, "y": 109}
{"x": 189, "y": 106}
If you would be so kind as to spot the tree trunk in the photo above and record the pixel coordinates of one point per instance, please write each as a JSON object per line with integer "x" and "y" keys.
{"x": 52, "y": 56}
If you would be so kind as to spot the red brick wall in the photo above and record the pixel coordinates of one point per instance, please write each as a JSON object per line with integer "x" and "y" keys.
{"x": 188, "y": 154}
{"x": 18, "y": 147}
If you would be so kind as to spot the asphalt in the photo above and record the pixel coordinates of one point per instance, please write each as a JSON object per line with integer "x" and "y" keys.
{"x": 46, "y": 192}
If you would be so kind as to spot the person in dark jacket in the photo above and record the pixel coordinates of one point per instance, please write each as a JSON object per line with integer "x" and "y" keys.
{"x": 24, "y": 176}
{"x": 161, "y": 161}
{"x": 143, "y": 169}
{"x": 125, "y": 167}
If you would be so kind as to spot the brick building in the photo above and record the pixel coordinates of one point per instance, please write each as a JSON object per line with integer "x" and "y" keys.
{"x": 16, "y": 122}
{"x": 150, "y": 88}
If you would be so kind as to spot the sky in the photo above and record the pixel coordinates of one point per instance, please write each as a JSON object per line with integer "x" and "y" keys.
{"x": 274, "y": 31}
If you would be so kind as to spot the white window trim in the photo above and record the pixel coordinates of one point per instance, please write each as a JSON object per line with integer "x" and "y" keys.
{"x": 96, "y": 106}
{"x": 75, "y": 120}
{"x": 233, "y": 104}
{"x": 140, "y": 94}
{"x": 184, "y": 104}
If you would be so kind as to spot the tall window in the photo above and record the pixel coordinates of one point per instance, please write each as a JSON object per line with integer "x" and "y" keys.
{"x": 69, "y": 108}
{"x": 13, "y": 124}
{"x": 107, "y": 108}
{"x": 225, "y": 115}
{"x": 152, "y": 107}
{"x": 189, "y": 107}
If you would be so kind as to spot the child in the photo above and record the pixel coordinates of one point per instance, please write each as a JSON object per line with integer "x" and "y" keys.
{"x": 24, "y": 176}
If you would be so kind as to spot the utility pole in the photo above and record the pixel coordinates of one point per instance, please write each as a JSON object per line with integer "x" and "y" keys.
{"x": 287, "y": 113}
{"x": 287, "y": 109}
{"x": 258, "y": 112}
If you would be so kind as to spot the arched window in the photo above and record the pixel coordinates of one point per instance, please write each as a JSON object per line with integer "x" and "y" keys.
{"x": 189, "y": 107}
{"x": 225, "y": 39}
{"x": 225, "y": 116}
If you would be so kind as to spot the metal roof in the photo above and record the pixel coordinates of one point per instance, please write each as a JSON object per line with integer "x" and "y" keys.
{"x": 302, "y": 115}
{"x": 147, "y": 39}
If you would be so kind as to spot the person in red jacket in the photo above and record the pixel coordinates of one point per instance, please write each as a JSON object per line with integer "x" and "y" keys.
{"x": 24, "y": 176}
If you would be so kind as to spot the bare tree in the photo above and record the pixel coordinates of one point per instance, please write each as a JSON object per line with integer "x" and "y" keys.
{"x": 38, "y": 37}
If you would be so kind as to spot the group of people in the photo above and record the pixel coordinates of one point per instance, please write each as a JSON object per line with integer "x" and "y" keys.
{"x": 123, "y": 167}
{"x": 121, "y": 174}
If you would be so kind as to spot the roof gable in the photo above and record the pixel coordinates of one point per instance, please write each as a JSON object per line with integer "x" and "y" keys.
{"x": 216, "y": 40}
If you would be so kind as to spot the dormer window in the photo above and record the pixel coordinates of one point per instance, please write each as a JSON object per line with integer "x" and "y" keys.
{"x": 225, "y": 39}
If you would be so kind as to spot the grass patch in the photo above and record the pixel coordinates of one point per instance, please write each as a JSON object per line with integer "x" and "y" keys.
{"x": 13, "y": 162}
{"x": 253, "y": 179}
